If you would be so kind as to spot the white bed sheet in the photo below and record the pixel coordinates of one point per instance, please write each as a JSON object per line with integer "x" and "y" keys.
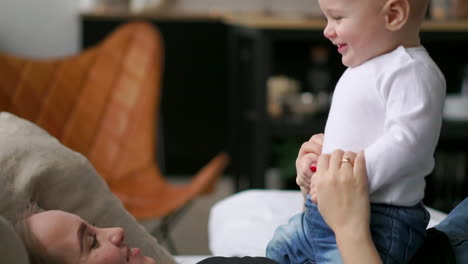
{"x": 243, "y": 223}
{"x": 190, "y": 259}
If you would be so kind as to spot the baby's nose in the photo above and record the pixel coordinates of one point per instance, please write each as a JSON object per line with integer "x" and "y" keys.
{"x": 328, "y": 32}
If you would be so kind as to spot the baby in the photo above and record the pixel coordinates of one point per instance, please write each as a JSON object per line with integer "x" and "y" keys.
{"x": 387, "y": 103}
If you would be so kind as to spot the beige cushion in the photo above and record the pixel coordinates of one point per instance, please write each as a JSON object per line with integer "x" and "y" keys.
{"x": 34, "y": 165}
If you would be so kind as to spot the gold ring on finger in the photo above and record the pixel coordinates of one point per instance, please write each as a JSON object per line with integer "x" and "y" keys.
{"x": 347, "y": 160}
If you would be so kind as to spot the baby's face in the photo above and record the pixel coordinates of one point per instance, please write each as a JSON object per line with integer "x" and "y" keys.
{"x": 357, "y": 28}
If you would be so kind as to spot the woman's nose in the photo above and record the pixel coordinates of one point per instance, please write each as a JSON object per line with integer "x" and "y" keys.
{"x": 116, "y": 235}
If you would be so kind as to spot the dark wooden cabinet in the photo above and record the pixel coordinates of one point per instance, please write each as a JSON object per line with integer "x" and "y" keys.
{"x": 194, "y": 97}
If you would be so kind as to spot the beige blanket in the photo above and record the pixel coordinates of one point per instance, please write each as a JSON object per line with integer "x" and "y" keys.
{"x": 34, "y": 165}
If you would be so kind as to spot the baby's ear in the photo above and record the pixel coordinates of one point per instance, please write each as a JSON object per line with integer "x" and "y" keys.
{"x": 396, "y": 14}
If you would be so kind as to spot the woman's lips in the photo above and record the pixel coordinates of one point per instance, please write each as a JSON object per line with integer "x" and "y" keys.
{"x": 134, "y": 252}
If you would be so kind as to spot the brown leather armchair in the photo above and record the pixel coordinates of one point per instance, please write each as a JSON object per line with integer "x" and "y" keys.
{"x": 104, "y": 104}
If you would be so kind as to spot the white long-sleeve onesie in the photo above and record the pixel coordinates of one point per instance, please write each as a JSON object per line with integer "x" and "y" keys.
{"x": 390, "y": 107}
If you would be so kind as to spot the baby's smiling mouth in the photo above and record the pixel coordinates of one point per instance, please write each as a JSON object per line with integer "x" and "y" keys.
{"x": 341, "y": 47}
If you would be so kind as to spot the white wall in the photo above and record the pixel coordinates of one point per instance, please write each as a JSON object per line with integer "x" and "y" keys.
{"x": 49, "y": 28}
{"x": 39, "y": 28}
{"x": 309, "y": 7}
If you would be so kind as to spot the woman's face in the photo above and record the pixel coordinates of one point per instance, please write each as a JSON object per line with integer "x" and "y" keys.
{"x": 69, "y": 238}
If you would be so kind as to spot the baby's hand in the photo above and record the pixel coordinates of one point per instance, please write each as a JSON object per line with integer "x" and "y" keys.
{"x": 307, "y": 159}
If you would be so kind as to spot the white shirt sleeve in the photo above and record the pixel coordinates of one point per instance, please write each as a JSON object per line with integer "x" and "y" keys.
{"x": 412, "y": 124}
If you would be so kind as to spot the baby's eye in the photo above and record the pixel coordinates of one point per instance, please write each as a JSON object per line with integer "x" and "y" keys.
{"x": 338, "y": 18}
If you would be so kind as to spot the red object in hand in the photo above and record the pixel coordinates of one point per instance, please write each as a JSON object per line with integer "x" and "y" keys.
{"x": 313, "y": 167}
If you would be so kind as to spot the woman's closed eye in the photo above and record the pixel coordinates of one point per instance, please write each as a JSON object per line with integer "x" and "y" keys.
{"x": 94, "y": 242}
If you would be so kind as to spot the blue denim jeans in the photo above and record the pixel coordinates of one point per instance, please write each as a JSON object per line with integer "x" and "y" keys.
{"x": 397, "y": 233}
{"x": 455, "y": 226}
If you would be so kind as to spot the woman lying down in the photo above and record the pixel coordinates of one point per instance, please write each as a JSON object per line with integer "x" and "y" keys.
{"x": 58, "y": 237}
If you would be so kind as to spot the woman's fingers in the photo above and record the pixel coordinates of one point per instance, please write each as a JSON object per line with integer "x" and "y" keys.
{"x": 342, "y": 195}
{"x": 323, "y": 163}
{"x": 360, "y": 171}
{"x": 336, "y": 159}
{"x": 348, "y": 158}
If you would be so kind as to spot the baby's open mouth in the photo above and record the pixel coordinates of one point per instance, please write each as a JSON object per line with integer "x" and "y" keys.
{"x": 341, "y": 47}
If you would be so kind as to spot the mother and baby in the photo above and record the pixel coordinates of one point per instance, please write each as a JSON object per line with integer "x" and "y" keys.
{"x": 363, "y": 182}
{"x": 342, "y": 197}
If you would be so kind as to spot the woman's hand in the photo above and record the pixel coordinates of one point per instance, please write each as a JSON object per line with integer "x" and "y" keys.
{"x": 342, "y": 190}
{"x": 307, "y": 157}
{"x": 343, "y": 202}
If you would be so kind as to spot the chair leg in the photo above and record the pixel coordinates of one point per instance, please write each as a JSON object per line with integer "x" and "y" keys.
{"x": 162, "y": 231}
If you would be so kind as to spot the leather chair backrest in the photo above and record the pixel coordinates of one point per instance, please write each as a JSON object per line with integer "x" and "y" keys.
{"x": 96, "y": 101}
